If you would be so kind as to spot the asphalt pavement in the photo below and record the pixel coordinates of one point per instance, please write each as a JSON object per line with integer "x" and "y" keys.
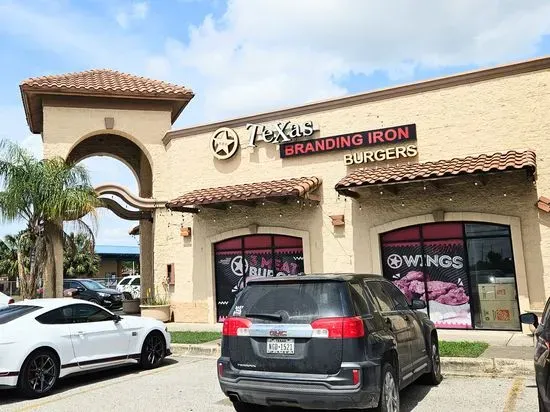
{"x": 188, "y": 384}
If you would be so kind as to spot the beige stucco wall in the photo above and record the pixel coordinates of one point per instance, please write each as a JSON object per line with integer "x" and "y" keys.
{"x": 486, "y": 117}
{"x": 107, "y": 266}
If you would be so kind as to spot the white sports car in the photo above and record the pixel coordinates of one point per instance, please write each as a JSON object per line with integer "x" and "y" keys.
{"x": 42, "y": 340}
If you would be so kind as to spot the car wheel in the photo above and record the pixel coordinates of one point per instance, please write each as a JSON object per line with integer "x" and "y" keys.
{"x": 389, "y": 391}
{"x": 153, "y": 350}
{"x": 434, "y": 376}
{"x": 247, "y": 407}
{"x": 39, "y": 374}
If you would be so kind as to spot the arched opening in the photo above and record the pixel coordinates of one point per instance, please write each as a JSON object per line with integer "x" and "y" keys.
{"x": 117, "y": 159}
{"x": 464, "y": 270}
{"x": 257, "y": 255}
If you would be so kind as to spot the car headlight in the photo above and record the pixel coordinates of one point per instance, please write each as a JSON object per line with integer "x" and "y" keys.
{"x": 103, "y": 295}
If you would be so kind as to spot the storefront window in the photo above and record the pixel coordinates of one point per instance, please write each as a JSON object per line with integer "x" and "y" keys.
{"x": 464, "y": 271}
{"x": 238, "y": 259}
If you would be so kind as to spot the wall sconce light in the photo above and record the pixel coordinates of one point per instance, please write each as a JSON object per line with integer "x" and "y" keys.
{"x": 337, "y": 220}
{"x": 185, "y": 231}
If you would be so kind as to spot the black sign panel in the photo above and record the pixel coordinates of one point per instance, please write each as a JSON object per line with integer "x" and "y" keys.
{"x": 396, "y": 134}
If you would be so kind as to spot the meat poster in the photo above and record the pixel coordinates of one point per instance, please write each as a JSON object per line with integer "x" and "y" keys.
{"x": 435, "y": 272}
{"x": 233, "y": 269}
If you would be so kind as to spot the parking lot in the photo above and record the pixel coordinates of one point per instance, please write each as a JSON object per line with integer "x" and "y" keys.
{"x": 189, "y": 384}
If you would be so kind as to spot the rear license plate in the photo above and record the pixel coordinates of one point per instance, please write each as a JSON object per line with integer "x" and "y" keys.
{"x": 280, "y": 346}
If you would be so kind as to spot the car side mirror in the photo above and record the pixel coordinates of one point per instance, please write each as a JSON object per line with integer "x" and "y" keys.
{"x": 117, "y": 318}
{"x": 529, "y": 318}
{"x": 417, "y": 304}
{"x": 80, "y": 289}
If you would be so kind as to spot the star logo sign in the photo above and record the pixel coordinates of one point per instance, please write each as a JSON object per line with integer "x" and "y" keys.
{"x": 394, "y": 261}
{"x": 224, "y": 143}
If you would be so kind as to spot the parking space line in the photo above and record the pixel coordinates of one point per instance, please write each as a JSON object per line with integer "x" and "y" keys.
{"x": 99, "y": 386}
{"x": 513, "y": 394}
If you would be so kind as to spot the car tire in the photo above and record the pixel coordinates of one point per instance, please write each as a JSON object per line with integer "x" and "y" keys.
{"x": 39, "y": 374}
{"x": 434, "y": 376}
{"x": 247, "y": 407}
{"x": 389, "y": 390}
{"x": 153, "y": 350}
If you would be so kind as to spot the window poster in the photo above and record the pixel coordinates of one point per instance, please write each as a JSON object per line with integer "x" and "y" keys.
{"x": 260, "y": 256}
{"x": 434, "y": 271}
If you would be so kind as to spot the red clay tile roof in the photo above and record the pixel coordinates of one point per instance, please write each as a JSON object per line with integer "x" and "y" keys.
{"x": 105, "y": 82}
{"x": 296, "y": 187}
{"x": 99, "y": 83}
{"x": 442, "y": 168}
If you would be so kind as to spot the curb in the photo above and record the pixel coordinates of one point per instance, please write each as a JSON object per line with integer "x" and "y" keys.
{"x": 482, "y": 367}
{"x": 487, "y": 367}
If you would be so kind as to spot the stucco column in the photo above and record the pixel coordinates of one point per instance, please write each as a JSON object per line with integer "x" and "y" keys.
{"x": 146, "y": 257}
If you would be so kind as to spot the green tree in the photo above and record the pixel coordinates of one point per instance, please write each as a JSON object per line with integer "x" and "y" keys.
{"x": 44, "y": 194}
{"x": 79, "y": 257}
{"x": 9, "y": 247}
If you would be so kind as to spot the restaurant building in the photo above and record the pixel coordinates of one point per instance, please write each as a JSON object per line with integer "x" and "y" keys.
{"x": 441, "y": 186}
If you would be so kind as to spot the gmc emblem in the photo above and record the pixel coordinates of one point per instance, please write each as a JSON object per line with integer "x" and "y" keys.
{"x": 277, "y": 333}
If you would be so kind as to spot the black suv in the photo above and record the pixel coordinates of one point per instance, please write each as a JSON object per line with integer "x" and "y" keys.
{"x": 542, "y": 353}
{"x": 325, "y": 342}
{"x": 95, "y": 292}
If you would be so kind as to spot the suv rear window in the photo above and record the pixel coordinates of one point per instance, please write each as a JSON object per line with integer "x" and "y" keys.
{"x": 12, "y": 312}
{"x": 296, "y": 302}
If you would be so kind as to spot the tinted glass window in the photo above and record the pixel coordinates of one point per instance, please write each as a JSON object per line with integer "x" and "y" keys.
{"x": 398, "y": 297}
{"x": 361, "y": 304}
{"x": 90, "y": 313}
{"x": 136, "y": 282}
{"x": 12, "y": 312}
{"x": 124, "y": 281}
{"x": 384, "y": 300}
{"x": 57, "y": 316}
{"x": 484, "y": 229}
{"x": 296, "y": 302}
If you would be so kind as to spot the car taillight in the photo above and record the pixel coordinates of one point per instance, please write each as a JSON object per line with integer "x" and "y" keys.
{"x": 236, "y": 327}
{"x": 355, "y": 374}
{"x": 336, "y": 328}
{"x": 11, "y": 301}
{"x": 220, "y": 369}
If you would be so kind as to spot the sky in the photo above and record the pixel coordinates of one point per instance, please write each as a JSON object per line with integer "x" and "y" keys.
{"x": 245, "y": 56}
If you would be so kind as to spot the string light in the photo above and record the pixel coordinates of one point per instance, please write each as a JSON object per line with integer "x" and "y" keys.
{"x": 298, "y": 201}
{"x": 229, "y": 207}
{"x": 475, "y": 183}
{"x": 403, "y": 204}
{"x": 360, "y": 206}
{"x": 381, "y": 192}
{"x": 263, "y": 203}
{"x": 280, "y": 214}
{"x": 424, "y": 187}
{"x": 450, "y": 199}
{"x": 504, "y": 194}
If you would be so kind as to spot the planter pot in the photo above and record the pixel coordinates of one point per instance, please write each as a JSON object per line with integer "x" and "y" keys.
{"x": 131, "y": 306}
{"x": 159, "y": 312}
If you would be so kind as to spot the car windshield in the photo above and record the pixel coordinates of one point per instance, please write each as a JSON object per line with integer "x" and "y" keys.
{"x": 92, "y": 284}
{"x": 12, "y": 312}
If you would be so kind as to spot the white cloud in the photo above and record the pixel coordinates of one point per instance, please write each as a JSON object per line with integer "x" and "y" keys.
{"x": 271, "y": 53}
{"x": 137, "y": 11}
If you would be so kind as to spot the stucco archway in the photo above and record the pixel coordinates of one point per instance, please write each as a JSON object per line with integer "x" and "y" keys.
{"x": 123, "y": 148}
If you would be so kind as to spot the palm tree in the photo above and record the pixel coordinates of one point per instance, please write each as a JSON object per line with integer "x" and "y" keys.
{"x": 44, "y": 194}
{"x": 9, "y": 247}
{"x": 79, "y": 257}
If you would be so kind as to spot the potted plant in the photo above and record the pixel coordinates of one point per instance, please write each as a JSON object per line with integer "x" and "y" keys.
{"x": 130, "y": 305}
{"x": 156, "y": 306}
